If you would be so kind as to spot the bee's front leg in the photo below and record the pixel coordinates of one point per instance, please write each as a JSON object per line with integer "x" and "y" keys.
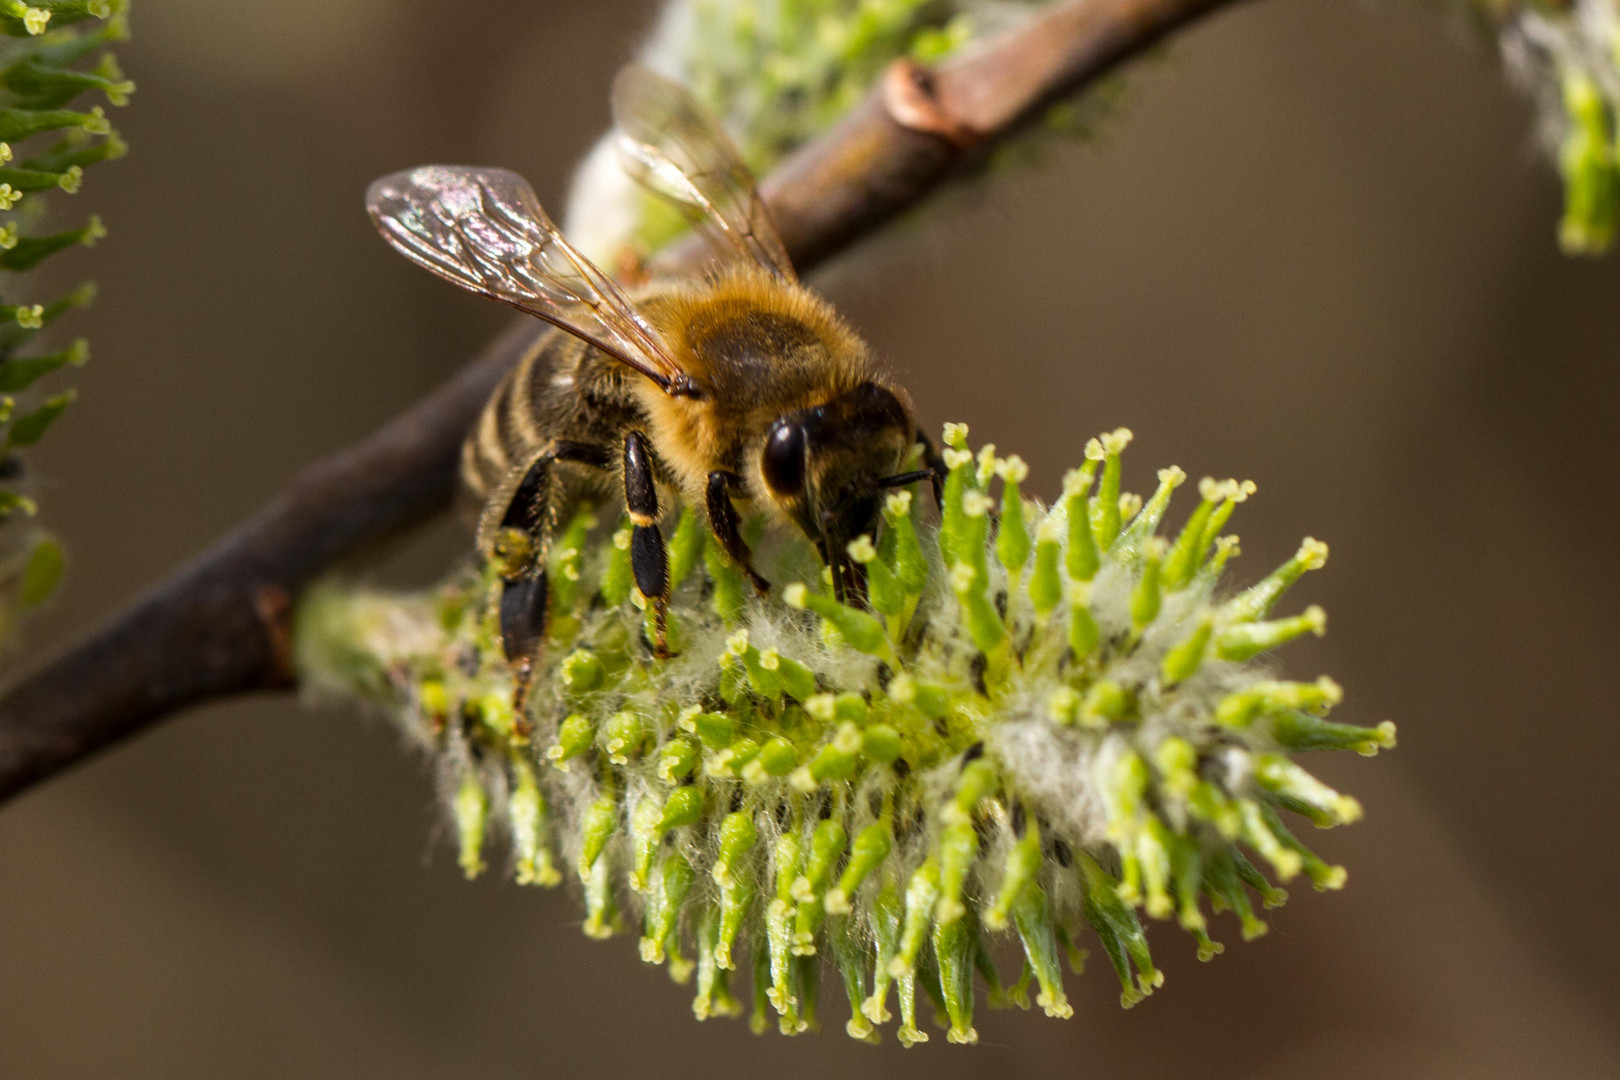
{"x": 649, "y": 560}
{"x": 728, "y": 530}
{"x": 936, "y": 466}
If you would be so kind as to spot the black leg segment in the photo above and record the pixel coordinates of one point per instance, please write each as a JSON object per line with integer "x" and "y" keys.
{"x": 649, "y": 560}
{"x": 529, "y": 507}
{"x": 728, "y": 530}
{"x": 640, "y": 489}
{"x": 526, "y": 510}
{"x": 936, "y": 465}
{"x": 521, "y": 548}
{"x": 523, "y": 616}
{"x": 581, "y": 452}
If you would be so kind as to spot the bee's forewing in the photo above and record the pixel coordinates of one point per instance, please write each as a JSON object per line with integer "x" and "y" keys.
{"x": 485, "y": 230}
{"x": 669, "y": 144}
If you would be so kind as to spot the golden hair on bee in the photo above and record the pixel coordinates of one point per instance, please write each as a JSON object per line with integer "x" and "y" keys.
{"x": 757, "y": 349}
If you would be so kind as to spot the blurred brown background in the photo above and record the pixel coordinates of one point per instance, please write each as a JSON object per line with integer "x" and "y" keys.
{"x": 1317, "y": 249}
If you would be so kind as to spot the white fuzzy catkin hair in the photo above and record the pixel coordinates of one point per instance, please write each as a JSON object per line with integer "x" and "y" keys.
{"x": 1045, "y": 720}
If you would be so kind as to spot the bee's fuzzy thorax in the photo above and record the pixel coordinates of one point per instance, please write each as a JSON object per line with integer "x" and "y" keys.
{"x": 758, "y": 348}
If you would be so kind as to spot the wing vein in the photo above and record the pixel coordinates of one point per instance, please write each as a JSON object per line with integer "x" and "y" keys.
{"x": 485, "y": 230}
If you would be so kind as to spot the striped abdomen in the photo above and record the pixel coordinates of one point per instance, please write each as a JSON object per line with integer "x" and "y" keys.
{"x": 562, "y": 390}
{"x": 510, "y": 431}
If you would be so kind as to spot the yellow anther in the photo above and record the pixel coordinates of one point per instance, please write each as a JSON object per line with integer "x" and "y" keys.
{"x": 1013, "y": 469}
{"x": 1116, "y": 441}
{"x": 861, "y": 549}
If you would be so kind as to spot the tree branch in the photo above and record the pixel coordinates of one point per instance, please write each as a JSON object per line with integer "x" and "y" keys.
{"x": 218, "y": 626}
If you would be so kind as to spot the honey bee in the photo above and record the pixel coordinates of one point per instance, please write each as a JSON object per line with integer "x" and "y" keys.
{"x": 739, "y": 386}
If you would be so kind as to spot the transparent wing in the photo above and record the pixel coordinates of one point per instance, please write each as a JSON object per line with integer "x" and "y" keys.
{"x": 670, "y": 145}
{"x": 484, "y": 229}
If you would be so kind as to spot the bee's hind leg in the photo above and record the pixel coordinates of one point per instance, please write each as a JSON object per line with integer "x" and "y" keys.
{"x": 523, "y": 628}
{"x": 649, "y": 558}
{"x": 520, "y": 550}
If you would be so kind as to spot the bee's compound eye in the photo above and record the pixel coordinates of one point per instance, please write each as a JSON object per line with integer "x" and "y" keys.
{"x": 783, "y": 461}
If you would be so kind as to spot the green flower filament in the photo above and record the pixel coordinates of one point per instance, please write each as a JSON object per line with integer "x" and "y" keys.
{"x": 1046, "y": 723}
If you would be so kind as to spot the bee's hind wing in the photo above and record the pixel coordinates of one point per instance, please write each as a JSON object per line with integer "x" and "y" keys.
{"x": 485, "y": 230}
{"x": 672, "y": 146}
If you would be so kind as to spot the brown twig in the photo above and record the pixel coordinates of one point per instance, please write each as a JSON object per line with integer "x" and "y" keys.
{"x": 218, "y": 625}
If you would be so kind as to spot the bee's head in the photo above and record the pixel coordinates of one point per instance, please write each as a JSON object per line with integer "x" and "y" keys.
{"x": 825, "y": 468}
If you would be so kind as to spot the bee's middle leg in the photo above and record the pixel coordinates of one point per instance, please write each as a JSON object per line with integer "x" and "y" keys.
{"x": 649, "y": 558}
